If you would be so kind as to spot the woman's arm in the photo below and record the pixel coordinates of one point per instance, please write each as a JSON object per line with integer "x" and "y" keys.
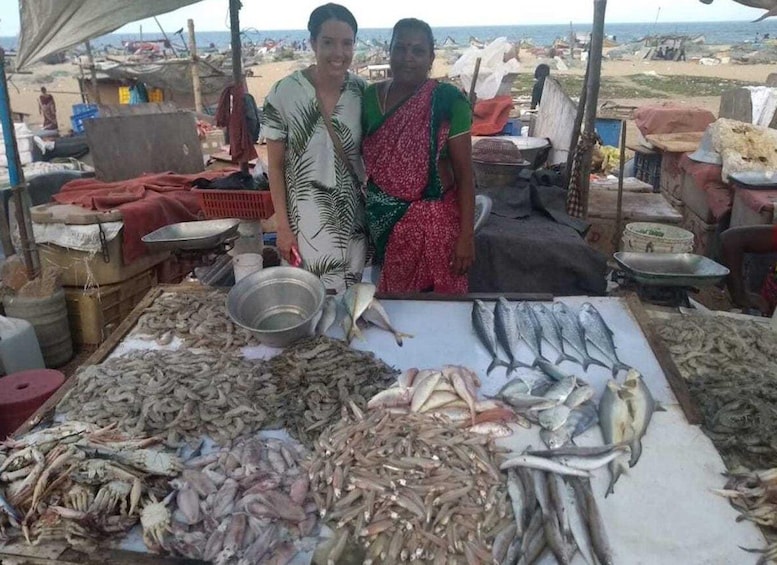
{"x": 276, "y": 153}
{"x": 460, "y": 154}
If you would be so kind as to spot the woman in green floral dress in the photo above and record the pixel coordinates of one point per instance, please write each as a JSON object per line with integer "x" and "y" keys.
{"x": 318, "y": 204}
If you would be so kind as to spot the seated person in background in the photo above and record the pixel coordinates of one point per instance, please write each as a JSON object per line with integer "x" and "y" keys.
{"x": 540, "y": 74}
{"x": 750, "y": 239}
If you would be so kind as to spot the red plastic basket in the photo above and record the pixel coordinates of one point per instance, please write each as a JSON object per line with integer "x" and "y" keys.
{"x": 241, "y": 204}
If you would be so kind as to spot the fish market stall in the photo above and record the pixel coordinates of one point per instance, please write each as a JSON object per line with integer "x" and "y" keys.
{"x": 364, "y": 455}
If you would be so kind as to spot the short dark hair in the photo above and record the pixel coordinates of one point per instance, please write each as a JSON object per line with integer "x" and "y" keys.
{"x": 43, "y": 89}
{"x": 541, "y": 71}
{"x": 328, "y": 12}
{"x": 413, "y": 24}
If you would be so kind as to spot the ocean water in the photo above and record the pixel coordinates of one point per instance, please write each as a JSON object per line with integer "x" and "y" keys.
{"x": 714, "y": 32}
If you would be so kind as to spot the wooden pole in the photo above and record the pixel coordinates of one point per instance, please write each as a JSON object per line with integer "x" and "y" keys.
{"x": 93, "y": 71}
{"x": 594, "y": 80}
{"x": 577, "y": 126}
{"x": 237, "y": 64}
{"x": 572, "y": 41}
{"x": 473, "y": 97}
{"x": 167, "y": 39}
{"x": 195, "y": 68}
{"x": 622, "y": 168}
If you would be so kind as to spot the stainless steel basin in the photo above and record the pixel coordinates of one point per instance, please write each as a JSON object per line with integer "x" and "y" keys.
{"x": 671, "y": 269}
{"x": 280, "y": 305}
{"x": 203, "y": 234}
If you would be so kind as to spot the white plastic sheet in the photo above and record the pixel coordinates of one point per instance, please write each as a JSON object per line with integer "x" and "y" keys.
{"x": 50, "y": 26}
{"x": 493, "y": 68}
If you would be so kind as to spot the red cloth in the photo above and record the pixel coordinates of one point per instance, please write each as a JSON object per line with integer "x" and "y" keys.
{"x": 421, "y": 244}
{"x": 670, "y": 117}
{"x": 489, "y": 117}
{"x": 146, "y": 203}
{"x": 706, "y": 177}
{"x": 757, "y": 200}
{"x": 231, "y": 114}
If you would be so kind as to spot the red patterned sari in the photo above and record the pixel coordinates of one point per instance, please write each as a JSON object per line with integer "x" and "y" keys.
{"x": 413, "y": 219}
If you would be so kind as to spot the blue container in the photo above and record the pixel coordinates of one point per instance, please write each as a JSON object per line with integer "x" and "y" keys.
{"x": 512, "y": 127}
{"x": 610, "y": 131}
{"x": 83, "y": 108}
{"x": 270, "y": 239}
{"x": 77, "y": 120}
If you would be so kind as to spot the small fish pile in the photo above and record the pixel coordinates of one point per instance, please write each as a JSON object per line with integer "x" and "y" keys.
{"x": 625, "y": 412}
{"x": 730, "y": 367}
{"x": 554, "y": 506}
{"x": 247, "y": 504}
{"x": 360, "y": 304}
{"x": 450, "y": 392}
{"x": 200, "y": 319}
{"x": 179, "y": 394}
{"x": 80, "y": 484}
{"x": 754, "y": 494}
{"x": 560, "y": 403}
{"x": 408, "y": 488}
{"x": 512, "y": 326}
{"x": 316, "y": 378}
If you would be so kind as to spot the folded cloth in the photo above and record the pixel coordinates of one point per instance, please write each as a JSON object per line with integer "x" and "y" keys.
{"x": 670, "y": 117}
{"x": 147, "y": 203}
{"x": 490, "y": 116}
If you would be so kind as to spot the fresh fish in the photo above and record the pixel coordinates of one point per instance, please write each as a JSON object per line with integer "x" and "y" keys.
{"x": 582, "y": 419}
{"x": 423, "y": 389}
{"x": 515, "y": 386}
{"x": 529, "y": 329}
{"x": 542, "y": 464}
{"x": 593, "y": 463}
{"x": 556, "y": 438}
{"x": 524, "y": 402}
{"x": 579, "y": 395}
{"x": 553, "y": 418}
{"x": 616, "y": 424}
{"x": 573, "y": 451}
{"x": 328, "y": 315}
{"x": 572, "y": 332}
{"x": 598, "y": 333}
{"x": 9, "y": 510}
{"x": 551, "y": 331}
{"x": 517, "y": 499}
{"x": 599, "y": 541}
{"x": 356, "y": 300}
{"x": 507, "y": 334}
{"x": 376, "y": 315}
{"x": 641, "y": 407}
{"x": 483, "y": 322}
{"x": 562, "y": 389}
{"x": 578, "y": 521}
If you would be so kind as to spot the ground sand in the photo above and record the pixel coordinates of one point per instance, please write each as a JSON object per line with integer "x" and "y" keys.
{"x": 62, "y": 83}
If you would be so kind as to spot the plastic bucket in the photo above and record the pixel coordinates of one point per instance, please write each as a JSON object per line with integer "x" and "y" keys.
{"x": 48, "y": 317}
{"x": 647, "y": 237}
{"x": 245, "y": 264}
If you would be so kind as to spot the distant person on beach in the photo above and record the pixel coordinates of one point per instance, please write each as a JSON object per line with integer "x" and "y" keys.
{"x": 540, "y": 74}
{"x": 312, "y": 123}
{"x": 418, "y": 154}
{"x": 47, "y": 108}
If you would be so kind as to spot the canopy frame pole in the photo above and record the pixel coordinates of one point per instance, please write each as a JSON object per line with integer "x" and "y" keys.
{"x": 594, "y": 81}
{"x": 18, "y": 186}
{"x": 195, "y": 67}
{"x": 93, "y": 71}
{"x": 237, "y": 58}
{"x": 167, "y": 39}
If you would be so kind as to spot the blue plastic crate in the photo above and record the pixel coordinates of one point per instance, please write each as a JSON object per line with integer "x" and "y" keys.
{"x": 610, "y": 131}
{"x": 83, "y": 108}
{"x": 77, "y": 120}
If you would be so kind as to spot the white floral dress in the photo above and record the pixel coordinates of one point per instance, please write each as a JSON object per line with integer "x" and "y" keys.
{"x": 325, "y": 206}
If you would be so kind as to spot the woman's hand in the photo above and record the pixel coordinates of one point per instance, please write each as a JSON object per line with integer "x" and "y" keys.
{"x": 463, "y": 254}
{"x": 285, "y": 241}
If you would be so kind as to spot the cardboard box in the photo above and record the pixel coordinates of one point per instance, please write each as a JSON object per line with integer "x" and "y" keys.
{"x": 95, "y": 312}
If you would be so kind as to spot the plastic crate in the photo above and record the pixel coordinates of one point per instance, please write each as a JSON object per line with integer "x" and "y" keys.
{"x": 77, "y": 120}
{"x": 647, "y": 168}
{"x": 241, "y": 204}
{"x": 83, "y": 108}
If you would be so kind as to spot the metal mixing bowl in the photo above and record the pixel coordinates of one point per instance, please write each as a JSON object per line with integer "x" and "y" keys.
{"x": 279, "y": 304}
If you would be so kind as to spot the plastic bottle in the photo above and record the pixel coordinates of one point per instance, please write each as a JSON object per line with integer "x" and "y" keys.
{"x": 19, "y": 348}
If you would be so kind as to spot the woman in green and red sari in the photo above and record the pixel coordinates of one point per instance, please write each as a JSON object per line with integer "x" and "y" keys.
{"x": 418, "y": 154}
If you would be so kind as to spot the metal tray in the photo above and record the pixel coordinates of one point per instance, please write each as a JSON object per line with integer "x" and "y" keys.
{"x": 204, "y": 234}
{"x": 757, "y": 180}
{"x": 671, "y": 269}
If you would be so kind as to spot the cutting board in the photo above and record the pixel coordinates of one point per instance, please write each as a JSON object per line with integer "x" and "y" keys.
{"x": 676, "y": 142}
{"x": 53, "y": 213}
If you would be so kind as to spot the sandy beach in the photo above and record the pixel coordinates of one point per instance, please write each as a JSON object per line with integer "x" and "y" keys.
{"x": 632, "y": 83}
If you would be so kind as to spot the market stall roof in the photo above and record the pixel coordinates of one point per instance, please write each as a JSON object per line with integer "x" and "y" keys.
{"x": 49, "y": 26}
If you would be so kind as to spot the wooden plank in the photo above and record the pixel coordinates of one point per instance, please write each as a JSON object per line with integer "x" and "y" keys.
{"x": 736, "y": 104}
{"x": 125, "y": 147}
{"x": 555, "y": 120}
{"x": 677, "y": 142}
{"x": 665, "y": 360}
{"x": 630, "y": 184}
{"x": 488, "y": 296}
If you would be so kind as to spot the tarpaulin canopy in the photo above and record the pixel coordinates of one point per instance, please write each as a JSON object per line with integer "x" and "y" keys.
{"x": 175, "y": 75}
{"x": 49, "y": 26}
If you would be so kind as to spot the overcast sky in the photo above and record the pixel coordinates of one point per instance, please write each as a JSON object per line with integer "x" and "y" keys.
{"x": 212, "y": 15}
